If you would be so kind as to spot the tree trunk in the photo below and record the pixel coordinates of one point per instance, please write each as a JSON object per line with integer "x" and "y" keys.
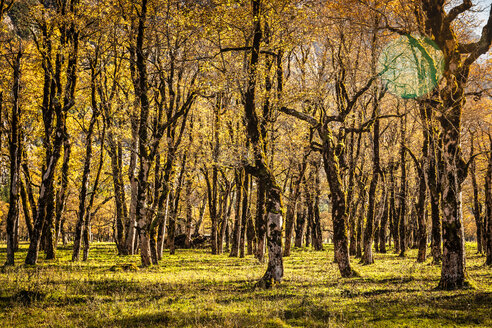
{"x": 244, "y": 212}
{"x": 457, "y": 61}
{"x": 61, "y": 195}
{"x": 318, "y": 233}
{"x": 171, "y": 228}
{"x": 189, "y": 212}
{"x": 48, "y": 232}
{"x": 267, "y": 185}
{"x": 393, "y": 212}
{"x": 476, "y": 203}
{"x": 131, "y": 234}
{"x": 201, "y": 214}
{"x": 360, "y": 219}
{"x": 453, "y": 270}
{"x": 88, "y": 214}
{"x": 212, "y": 205}
{"x": 308, "y": 205}
{"x": 53, "y": 104}
{"x": 488, "y": 210}
{"x": 224, "y": 215}
{"x": 376, "y": 171}
{"x": 384, "y": 221}
{"x": 161, "y": 234}
{"x": 294, "y": 193}
{"x": 260, "y": 222}
{"x": 84, "y": 186}
{"x": 403, "y": 190}
{"x": 15, "y": 158}
{"x": 25, "y": 208}
{"x": 338, "y": 201}
{"x": 121, "y": 213}
{"x": 422, "y": 216}
{"x": 300, "y": 223}
{"x": 236, "y": 234}
{"x": 351, "y": 191}
{"x": 250, "y": 230}
{"x": 175, "y": 207}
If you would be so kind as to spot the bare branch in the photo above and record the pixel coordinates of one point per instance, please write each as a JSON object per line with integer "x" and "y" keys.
{"x": 482, "y": 46}
{"x": 459, "y": 9}
{"x": 304, "y": 117}
{"x": 415, "y": 160}
{"x": 360, "y": 93}
{"x": 395, "y": 29}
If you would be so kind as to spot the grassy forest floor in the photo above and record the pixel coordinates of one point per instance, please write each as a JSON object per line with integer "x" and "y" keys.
{"x": 194, "y": 288}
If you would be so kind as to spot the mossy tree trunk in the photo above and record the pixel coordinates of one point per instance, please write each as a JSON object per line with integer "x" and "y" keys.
{"x": 57, "y": 101}
{"x": 458, "y": 57}
{"x": 273, "y": 206}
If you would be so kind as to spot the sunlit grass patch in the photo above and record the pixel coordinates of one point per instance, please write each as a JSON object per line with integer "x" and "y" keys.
{"x": 194, "y": 288}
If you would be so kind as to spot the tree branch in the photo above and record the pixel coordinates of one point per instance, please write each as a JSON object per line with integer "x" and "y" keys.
{"x": 415, "y": 160}
{"x": 459, "y": 9}
{"x": 304, "y": 117}
{"x": 483, "y": 45}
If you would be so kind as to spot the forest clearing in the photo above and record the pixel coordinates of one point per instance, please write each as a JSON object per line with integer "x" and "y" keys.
{"x": 237, "y": 163}
{"x": 195, "y": 288}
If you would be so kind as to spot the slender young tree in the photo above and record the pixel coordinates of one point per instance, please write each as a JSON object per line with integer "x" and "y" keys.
{"x": 15, "y": 158}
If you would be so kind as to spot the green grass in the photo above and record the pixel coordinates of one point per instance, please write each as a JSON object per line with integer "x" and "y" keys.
{"x": 196, "y": 289}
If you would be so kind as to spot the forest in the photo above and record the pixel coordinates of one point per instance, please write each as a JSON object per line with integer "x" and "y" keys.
{"x": 240, "y": 163}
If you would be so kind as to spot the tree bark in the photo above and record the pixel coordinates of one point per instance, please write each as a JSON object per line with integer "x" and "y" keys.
{"x": 294, "y": 193}
{"x": 15, "y": 158}
{"x": 384, "y": 221}
{"x": 339, "y": 211}
{"x": 260, "y": 222}
{"x": 244, "y": 212}
{"x": 488, "y": 209}
{"x": 175, "y": 208}
{"x": 274, "y": 272}
{"x": 88, "y": 214}
{"x": 403, "y": 190}
{"x": 121, "y": 213}
{"x": 85, "y": 183}
{"x": 53, "y": 105}
{"x": 422, "y": 217}
{"x": 25, "y": 208}
{"x": 61, "y": 195}
{"x": 300, "y": 223}
{"x": 476, "y": 203}
{"x": 317, "y": 231}
{"x": 457, "y": 61}
{"x": 189, "y": 212}
{"x": 367, "y": 257}
{"x": 131, "y": 233}
{"x": 236, "y": 234}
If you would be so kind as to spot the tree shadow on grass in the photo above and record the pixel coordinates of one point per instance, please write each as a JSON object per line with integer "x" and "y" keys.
{"x": 456, "y": 309}
{"x": 180, "y": 319}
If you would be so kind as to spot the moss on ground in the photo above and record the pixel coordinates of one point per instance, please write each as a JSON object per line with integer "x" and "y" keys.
{"x": 196, "y": 289}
